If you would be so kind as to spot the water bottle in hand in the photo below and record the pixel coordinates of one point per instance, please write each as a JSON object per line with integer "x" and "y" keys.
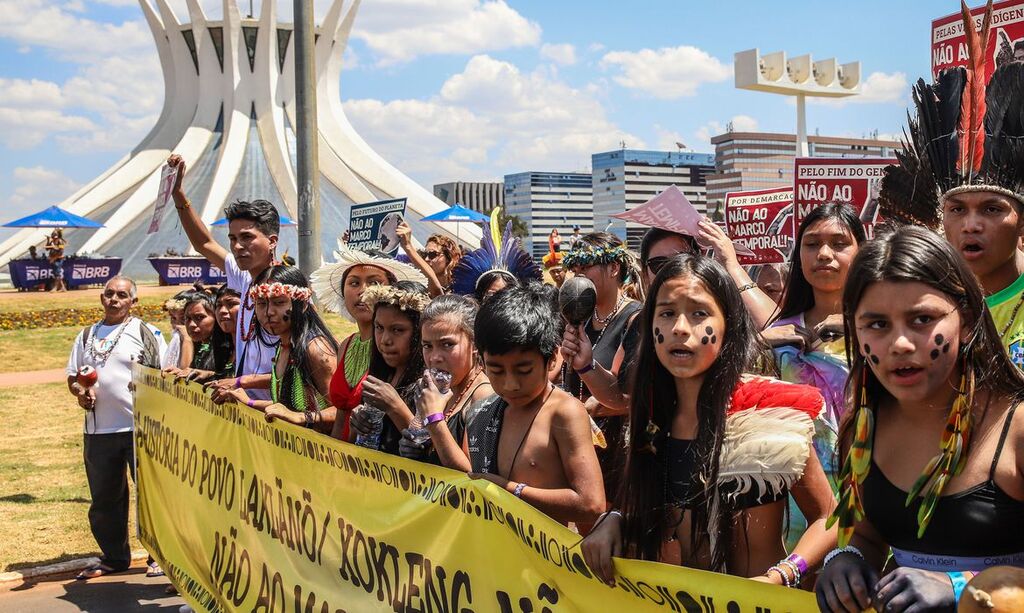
{"x": 375, "y": 417}
{"x": 443, "y": 381}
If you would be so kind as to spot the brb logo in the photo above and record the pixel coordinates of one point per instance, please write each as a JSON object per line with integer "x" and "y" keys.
{"x": 216, "y": 273}
{"x": 38, "y": 273}
{"x": 86, "y": 272}
{"x": 177, "y": 271}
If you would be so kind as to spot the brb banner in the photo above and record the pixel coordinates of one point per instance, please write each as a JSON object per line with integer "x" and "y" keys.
{"x": 854, "y": 181}
{"x": 187, "y": 270}
{"x": 246, "y": 515}
{"x": 761, "y": 221}
{"x": 1006, "y": 42}
{"x": 77, "y": 271}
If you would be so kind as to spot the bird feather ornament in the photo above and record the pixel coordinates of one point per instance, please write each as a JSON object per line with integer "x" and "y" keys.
{"x": 972, "y": 104}
{"x": 499, "y": 251}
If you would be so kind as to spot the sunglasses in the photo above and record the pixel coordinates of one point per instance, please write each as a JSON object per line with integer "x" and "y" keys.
{"x": 430, "y": 255}
{"x": 656, "y": 264}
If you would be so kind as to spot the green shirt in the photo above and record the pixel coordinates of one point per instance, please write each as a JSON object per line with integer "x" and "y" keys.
{"x": 1008, "y": 315}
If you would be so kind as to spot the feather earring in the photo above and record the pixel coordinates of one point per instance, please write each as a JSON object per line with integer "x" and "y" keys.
{"x": 850, "y": 509}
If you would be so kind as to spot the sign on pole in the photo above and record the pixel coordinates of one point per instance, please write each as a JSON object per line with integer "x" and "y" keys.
{"x": 373, "y": 225}
{"x": 761, "y": 221}
{"x": 857, "y": 182}
{"x": 949, "y": 45}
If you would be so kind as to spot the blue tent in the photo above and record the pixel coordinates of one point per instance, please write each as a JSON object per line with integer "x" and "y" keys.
{"x": 457, "y": 213}
{"x": 285, "y": 221}
{"x": 53, "y": 217}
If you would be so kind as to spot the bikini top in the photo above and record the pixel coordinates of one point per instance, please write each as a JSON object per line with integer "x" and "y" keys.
{"x": 980, "y": 521}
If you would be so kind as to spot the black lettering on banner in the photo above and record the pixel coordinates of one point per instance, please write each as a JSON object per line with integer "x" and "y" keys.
{"x": 230, "y": 568}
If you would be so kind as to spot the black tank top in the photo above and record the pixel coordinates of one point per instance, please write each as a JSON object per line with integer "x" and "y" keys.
{"x": 980, "y": 521}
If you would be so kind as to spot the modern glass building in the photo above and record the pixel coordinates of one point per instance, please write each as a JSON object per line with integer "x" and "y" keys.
{"x": 547, "y": 200}
{"x": 626, "y": 178}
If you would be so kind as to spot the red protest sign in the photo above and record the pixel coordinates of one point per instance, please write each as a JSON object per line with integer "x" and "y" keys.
{"x": 761, "y": 221}
{"x": 949, "y": 45}
{"x": 854, "y": 181}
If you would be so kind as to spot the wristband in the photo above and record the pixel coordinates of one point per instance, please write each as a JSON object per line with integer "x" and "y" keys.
{"x": 433, "y": 418}
{"x": 250, "y": 403}
{"x": 747, "y": 286}
{"x": 959, "y": 582}
{"x": 518, "y": 492}
{"x": 835, "y": 552}
{"x": 238, "y": 383}
{"x": 587, "y": 368}
{"x": 801, "y": 564}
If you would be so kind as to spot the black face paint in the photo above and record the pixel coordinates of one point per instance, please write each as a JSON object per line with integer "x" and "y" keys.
{"x": 287, "y": 317}
{"x": 871, "y": 356}
{"x": 711, "y": 337}
{"x": 935, "y": 354}
{"x": 658, "y": 336}
{"x": 939, "y": 339}
{"x": 945, "y": 348}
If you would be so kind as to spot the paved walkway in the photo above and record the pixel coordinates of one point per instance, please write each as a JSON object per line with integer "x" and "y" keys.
{"x": 129, "y": 591}
{"x": 32, "y": 377}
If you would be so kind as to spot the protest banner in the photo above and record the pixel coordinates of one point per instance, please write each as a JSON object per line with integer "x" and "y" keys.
{"x": 372, "y": 225}
{"x": 168, "y": 176}
{"x": 853, "y": 181}
{"x": 762, "y": 221}
{"x": 949, "y": 44}
{"x": 245, "y": 514}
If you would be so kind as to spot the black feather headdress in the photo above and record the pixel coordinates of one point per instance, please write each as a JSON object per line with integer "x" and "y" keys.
{"x": 966, "y": 137}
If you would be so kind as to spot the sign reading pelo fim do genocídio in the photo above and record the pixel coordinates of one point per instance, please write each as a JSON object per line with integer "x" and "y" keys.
{"x": 374, "y": 225}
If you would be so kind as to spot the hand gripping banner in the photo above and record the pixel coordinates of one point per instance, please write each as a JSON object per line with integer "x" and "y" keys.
{"x": 246, "y": 515}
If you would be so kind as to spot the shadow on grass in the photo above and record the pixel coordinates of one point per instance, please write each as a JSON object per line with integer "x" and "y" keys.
{"x": 29, "y": 498}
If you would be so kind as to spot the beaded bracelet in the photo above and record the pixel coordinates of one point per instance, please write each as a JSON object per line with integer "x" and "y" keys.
{"x": 797, "y": 575}
{"x": 835, "y": 552}
{"x": 782, "y": 573}
{"x": 518, "y": 492}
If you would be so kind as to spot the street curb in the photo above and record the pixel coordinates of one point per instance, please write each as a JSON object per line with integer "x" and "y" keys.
{"x": 16, "y": 578}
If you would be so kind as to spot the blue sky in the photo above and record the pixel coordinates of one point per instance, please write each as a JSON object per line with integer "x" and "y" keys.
{"x": 463, "y": 89}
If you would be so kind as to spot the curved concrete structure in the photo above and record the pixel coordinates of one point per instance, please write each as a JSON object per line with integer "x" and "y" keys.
{"x": 228, "y": 110}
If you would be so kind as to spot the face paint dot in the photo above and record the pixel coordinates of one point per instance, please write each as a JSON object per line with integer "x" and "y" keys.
{"x": 657, "y": 332}
{"x": 939, "y": 339}
{"x": 874, "y": 360}
{"x": 945, "y": 348}
{"x": 661, "y": 339}
{"x": 867, "y": 348}
{"x": 709, "y": 330}
{"x": 714, "y": 339}
{"x": 704, "y": 341}
{"x": 935, "y": 353}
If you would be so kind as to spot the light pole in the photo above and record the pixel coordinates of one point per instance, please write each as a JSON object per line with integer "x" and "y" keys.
{"x": 798, "y": 76}
{"x": 307, "y": 171}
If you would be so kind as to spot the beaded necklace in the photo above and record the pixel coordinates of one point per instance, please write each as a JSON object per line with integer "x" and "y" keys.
{"x": 458, "y": 399}
{"x": 1013, "y": 316}
{"x": 202, "y": 351}
{"x": 101, "y": 355}
{"x": 357, "y": 360}
{"x": 298, "y": 399}
{"x": 248, "y": 305}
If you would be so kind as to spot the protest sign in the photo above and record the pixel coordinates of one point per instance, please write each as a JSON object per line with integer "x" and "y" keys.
{"x": 949, "y": 44}
{"x": 856, "y": 181}
{"x": 762, "y": 221}
{"x": 249, "y": 515}
{"x": 373, "y": 225}
{"x": 167, "y": 178}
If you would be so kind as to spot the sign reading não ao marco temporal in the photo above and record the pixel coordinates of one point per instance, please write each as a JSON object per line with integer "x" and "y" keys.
{"x": 246, "y": 515}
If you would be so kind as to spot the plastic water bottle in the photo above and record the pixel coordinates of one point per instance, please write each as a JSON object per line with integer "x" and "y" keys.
{"x": 375, "y": 417}
{"x": 420, "y": 434}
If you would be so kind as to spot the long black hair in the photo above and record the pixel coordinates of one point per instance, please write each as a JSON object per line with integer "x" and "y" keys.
{"x": 224, "y": 342}
{"x": 641, "y": 495}
{"x": 912, "y": 254}
{"x": 799, "y": 295}
{"x": 414, "y": 368}
{"x": 306, "y": 326}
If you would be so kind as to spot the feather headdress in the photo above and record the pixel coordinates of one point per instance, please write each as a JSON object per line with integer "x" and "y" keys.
{"x": 966, "y": 137}
{"x": 499, "y": 251}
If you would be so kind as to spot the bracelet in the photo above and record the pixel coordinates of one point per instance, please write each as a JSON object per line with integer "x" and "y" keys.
{"x": 801, "y": 563}
{"x": 250, "y": 403}
{"x": 187, "y": 204}
{"x": 433, "y": 418}
{"x": 587, "y": 368}
{"x": 309, "y": 418}
{"x": 797, "y": 575}
{"x": 835, "y": 552}
{"x": 238, "y": 383}
{"x": 959, "y": 582}
{"x": 747, "y": 286}
{"x": 518, "y": 492}
{"x": 778, "y": 569}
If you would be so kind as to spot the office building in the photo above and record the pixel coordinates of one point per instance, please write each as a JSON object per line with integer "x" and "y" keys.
{"x": 477, "y": 196}
{"x": 759, "y": 160}
{"x": 626, "y": 178}
{"x": 547, "y": 200}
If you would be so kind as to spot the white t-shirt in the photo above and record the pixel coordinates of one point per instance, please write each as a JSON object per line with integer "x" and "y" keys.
{"x": 172, "y": 356}
{"x": 113, "y": 412}
{"x": 255, "y": 357}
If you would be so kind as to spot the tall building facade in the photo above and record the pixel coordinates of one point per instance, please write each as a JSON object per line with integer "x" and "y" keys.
{"x": 761, "y": 160}
{"x": 475, "y": 195}
{"x": 549, "y": 200}
{"x": 626, "y": 178}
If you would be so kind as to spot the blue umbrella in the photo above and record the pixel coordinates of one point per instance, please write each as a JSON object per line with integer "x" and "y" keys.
{"x": 456, "y": 214}
{"x": 285, "y": 221}
{"x": 53, "y": 217}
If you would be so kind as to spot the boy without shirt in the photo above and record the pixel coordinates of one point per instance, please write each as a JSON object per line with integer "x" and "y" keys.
{"x": 531, "y": 438}
{"x": 986, "y": 228}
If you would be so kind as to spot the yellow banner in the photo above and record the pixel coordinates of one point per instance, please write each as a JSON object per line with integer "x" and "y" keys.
{"x": 246, "y": 515}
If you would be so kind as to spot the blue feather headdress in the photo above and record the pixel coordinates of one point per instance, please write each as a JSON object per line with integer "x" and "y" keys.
{"x": 499, "y": 251}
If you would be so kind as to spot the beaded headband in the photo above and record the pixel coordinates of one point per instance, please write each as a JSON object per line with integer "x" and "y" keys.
{"x": 590, "y": 256}
{"x": 174, "y": 305}
{"x": 276, "y": 290}
{"x": 392, "y": 296}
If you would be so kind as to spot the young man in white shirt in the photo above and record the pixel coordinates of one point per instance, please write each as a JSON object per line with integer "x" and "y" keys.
{"x": 253, "y": 229}
{"x": 110, "y": 347}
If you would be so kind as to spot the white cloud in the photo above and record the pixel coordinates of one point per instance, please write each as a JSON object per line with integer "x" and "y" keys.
{"x": 878, "y": 88}
{"x": 38, "y": 187}
{"x": 27, "y": 128}
{"x": 738, "y": 123}
{"x": 489, "y": 119}
{"x": 670, "y": 72}
{"x": 31, "y": 94}
{"x": 400, "y": 30}
{"x": 563, "y": 54}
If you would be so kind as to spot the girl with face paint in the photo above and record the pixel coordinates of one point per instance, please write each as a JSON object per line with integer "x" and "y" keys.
{"x": 691, "y": 495}
{"x": 948, "y": 499}
{"x": 306, "y": 357}
{"x": 211, "y": 345}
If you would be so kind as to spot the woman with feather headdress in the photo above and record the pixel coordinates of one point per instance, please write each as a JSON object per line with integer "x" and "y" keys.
{"x": 500, "y": 262}
{"x": 713, "y": 454}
